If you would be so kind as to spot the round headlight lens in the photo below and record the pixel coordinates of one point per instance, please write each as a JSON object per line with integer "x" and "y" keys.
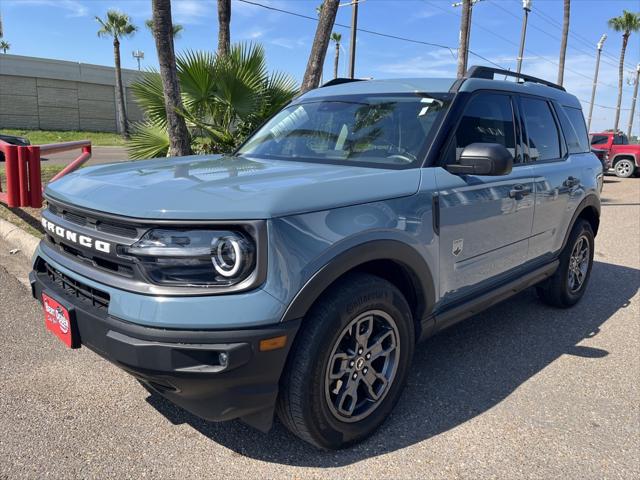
{"x": 228, "y": 255}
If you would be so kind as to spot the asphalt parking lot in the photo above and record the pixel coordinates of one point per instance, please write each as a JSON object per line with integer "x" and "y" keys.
{"x": 520, "y": 391}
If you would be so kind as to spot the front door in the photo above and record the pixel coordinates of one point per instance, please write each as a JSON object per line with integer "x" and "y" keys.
{"x": 485, "y": 221}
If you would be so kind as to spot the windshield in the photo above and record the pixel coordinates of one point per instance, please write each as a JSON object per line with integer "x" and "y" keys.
{"x": 388, "y": 131}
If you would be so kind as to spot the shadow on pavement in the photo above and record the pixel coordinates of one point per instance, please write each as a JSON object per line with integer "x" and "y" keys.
{"x": 456, "y": 375}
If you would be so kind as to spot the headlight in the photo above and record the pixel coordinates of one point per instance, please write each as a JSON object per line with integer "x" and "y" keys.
{"x": 194, "y": 257}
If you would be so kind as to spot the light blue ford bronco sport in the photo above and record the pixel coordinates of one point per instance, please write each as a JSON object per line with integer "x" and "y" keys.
{"x": 297, "y": 275}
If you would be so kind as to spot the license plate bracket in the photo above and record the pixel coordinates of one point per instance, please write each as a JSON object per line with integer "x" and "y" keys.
{"x": 59, "y": 318}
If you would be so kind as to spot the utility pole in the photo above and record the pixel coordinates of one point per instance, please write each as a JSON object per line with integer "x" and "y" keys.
{"x": 526, "y": 6}
{"x": 354, "y": 29}
{"x": 595, "y": 78}
{"x": 465, "y": 34}
{"x": 633, "y": 102}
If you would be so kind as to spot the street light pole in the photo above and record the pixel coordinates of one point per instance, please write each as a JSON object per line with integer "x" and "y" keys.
{"x": 595, "y": 79}
{"x": 633, "y": 101}
{"x": 526, "y": 6}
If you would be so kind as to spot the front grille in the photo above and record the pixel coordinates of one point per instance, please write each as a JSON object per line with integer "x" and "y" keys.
{"x": 86, "y": 294}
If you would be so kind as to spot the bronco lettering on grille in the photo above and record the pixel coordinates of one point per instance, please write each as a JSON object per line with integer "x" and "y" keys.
{"x": 74, "y": 237}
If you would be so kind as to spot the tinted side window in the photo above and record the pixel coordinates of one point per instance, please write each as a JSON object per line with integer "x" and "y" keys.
{"x": 577, "y": 122}
{"x": 599, "y": 139}
{"x": 544, "y": 142}
{"x": 620, "y": 140}
{"x": 488, "y": 118}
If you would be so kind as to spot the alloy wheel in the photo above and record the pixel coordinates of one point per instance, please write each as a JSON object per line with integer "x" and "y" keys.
{"x": 362, "y": 366}
{"x": 578, "y": 264}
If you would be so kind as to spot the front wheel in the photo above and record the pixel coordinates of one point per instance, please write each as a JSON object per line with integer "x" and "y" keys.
{"x": 349, "y": 363}
{"x": 569, "y": 282}
{"x": 624, "y": 168}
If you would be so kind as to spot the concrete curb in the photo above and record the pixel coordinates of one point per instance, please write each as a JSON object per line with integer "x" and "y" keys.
{"x": 18, "y": 238}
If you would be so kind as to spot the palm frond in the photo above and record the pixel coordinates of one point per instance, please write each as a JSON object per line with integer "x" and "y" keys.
{"x": 148, "y": 141}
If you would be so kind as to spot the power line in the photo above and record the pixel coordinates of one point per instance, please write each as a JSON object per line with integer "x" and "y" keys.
{"x": 405, "y": 39}
{"x": 614, "y": 61}
{"x": 371, "y": 32}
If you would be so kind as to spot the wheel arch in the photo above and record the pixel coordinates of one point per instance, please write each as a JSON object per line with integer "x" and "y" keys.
{"x": 589, "y": 210}
{"x": 395, "y": 261}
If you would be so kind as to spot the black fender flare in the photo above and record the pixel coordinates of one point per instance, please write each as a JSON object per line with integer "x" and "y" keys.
{"x": 392, "y": 250}
{"x": 590, "y": 201}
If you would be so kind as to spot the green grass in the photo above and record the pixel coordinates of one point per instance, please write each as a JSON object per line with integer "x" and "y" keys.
{"x": 27, "y": 218}
{"x": 40, "y": 137}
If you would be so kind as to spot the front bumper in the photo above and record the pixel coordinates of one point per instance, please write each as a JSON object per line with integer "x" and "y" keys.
{"x": 186, "y": 366}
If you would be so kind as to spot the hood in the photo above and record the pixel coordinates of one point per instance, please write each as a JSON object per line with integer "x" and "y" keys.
{"x": 226, "y": 188}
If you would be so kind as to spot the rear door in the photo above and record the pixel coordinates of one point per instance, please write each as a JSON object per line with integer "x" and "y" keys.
{"x": 485, "y": 221}
{"x": 555, "y": 169}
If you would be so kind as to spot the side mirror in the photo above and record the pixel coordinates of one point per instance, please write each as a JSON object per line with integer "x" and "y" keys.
{"x": 483, "y": 159}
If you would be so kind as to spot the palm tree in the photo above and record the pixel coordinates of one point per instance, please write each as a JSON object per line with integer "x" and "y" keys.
{"x": 118, "y": 25}
{"x": 224, "y": 99}
{"x": 563, "y": 42}
{"x": 337, "y": 38}
{"x": 179, "y": 142}
{"x": 313, "y": 72}
{"x": 4, "y": 46}
{"x": 224, "y": 21}
{"x": 176, "y": 28}
{"x": 626, "y": 23}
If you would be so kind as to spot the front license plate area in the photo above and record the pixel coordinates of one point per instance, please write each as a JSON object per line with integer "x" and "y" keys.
{"x": 60, "y": 320}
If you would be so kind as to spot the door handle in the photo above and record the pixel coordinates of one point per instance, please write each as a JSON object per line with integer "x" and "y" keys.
{"x": 571, "y": 182}
{"x": 519, "y": 191}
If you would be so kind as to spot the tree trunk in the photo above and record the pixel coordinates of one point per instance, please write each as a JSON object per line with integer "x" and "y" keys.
{"x": 224, "y": 21}
{"x": 625, "y": 39}
{"x": 463, "y": 52}
{"x": 179, "y": 142}
{"x": 123, "y": 126}
{"x": 563, "y": 41}
{"x": 318, "y": 53}
{"x": 336, "y": 60}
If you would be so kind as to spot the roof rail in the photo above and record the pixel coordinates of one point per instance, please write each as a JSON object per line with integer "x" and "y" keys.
{"x": 489, "y": 73}
{"x": 341, "y": 80}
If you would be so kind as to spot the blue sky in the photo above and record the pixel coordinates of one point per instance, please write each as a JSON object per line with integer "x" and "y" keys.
{"x": 66, "y": 29}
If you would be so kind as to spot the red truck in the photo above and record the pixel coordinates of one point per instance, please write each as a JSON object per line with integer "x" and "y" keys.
{"x": 615, "y": 152}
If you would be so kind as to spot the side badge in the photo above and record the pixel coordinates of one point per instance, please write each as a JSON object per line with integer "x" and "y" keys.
{"x": 458, "y": 245}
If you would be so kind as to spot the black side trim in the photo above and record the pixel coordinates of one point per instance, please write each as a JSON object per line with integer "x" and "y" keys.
{"x": 392, "y": 250}
{"x": 435, "y": 207}
{"x": 471, "y": 307}
{"x": 591, "y": 200}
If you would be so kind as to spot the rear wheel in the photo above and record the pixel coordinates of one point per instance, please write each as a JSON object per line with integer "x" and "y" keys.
{"x": 349, "y": 363}
{"x": 624, "y": 168}
{"x": 569, "y": 282}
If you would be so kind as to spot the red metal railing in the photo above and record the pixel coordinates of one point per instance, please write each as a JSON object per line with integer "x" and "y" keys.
{"x": 22, "y": 170}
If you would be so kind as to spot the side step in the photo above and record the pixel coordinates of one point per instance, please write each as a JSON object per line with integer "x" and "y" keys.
{"x": 476, "y": 305}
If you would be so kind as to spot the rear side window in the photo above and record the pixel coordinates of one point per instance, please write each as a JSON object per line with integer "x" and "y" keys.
{"x": 579, "y": 127}
{"x": 620, "y": 139}
{"x": 599, "y": 139}
{"x": 488, "y": 118}
{"x": 542, "y": 131}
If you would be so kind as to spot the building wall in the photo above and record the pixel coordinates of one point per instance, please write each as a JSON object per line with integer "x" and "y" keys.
{"x": 39, "y": 93}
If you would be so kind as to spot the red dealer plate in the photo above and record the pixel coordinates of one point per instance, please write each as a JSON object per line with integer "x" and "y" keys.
{"x": 58, "y": 320}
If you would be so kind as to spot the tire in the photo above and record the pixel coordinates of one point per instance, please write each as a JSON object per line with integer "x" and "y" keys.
{"x": 624, "y": 168}
{"x": 309, "y": 403}
{"x": 562, "y": 289}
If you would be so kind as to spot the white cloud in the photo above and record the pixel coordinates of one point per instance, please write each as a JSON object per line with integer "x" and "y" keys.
{"x": 74, "y": 8}
{"x": 192, "y": 11}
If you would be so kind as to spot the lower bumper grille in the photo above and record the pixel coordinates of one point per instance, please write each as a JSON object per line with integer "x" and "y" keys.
{"x": 86, "y": 294}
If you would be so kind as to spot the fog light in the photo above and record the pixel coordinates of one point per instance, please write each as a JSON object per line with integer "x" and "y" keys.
{"x": 223, "y": 359}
